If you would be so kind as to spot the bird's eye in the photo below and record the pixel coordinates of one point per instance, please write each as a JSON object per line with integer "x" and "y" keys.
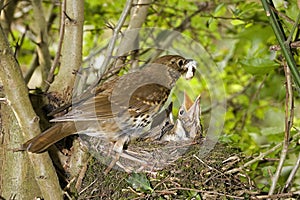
{"x": 181, "y": 112}
{"x": 180, "y": 63}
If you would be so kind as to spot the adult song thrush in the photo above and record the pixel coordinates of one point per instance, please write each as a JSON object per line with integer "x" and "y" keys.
{"x": 122, "y": 109}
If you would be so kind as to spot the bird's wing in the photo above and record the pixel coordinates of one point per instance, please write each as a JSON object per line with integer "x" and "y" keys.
{"x": 134, "y": 93}
{"x": 95, "y": 108}
{"x": 148, "y": 99}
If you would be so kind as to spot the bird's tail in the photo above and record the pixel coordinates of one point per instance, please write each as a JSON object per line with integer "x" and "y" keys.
{"x": 52, "y": 135}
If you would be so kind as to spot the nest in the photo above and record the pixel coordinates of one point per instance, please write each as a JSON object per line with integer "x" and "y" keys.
{"x": 140, "y": 155}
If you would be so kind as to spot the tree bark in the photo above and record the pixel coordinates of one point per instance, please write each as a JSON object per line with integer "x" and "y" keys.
{"x": 17, "y": 97}
{"x": 71, "y": 50}
{"x": 15, "y": 168}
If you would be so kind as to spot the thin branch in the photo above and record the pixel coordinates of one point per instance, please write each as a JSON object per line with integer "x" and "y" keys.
{"x": 87, "y": 187}
{"x": 293, "y": 45}
{"x": 112, "y": 42}
{"x": 34, "y": 60}
{"x": 209, "y": 167}
{"x": 262, "y": 155}
{"x": 277, "y": 196}
{"x": 289, "y": 115}
{"x": 50, "y": 77}
{"x": 292, "y": 174}
{"x": 201, "y": 191}
{"x": 42, "y": 38}
{"x": 284, "y": 16}
{"x": 129, "y": 41}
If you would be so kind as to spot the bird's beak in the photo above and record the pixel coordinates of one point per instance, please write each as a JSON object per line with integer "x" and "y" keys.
{"x": 191, "y": 68}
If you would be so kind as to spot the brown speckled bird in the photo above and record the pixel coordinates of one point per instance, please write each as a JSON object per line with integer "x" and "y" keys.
{"x": 121, "y": 110}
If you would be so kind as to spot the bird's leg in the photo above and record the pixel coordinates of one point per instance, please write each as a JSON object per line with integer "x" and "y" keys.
{"x": 118, "y": 149}
{"x": 112, "y": 163}
{"x": 126, "y": 169}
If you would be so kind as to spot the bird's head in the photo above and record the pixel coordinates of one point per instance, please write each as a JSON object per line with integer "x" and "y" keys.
{"x": 186, "y": 67}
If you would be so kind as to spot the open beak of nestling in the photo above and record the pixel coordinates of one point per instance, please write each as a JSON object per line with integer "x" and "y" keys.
{"x": 190, "y": 66}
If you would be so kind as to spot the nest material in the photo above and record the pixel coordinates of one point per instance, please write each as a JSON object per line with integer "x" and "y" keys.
{"x": 139, "y": 156}
{"x": 205, "y": 178}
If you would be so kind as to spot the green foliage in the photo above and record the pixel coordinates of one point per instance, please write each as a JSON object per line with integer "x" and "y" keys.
{"x": 140, "y": 182}
{"x": 97, "y": 15}
{"x": 258, "y": 65}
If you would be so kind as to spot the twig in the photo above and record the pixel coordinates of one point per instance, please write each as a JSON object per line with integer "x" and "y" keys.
{"x": 82, "y": 174}
{"x": 104, "y": 66}
{"x": 34, "y": 61}
{"x": 284, "y": 16}
{"x": 94, "y": 54}
{"x": 67, "y": 195}
{"x": 68, "y": 186}
{"x": 289, "y": 115}
{"x": 58, "y": 53}
{"x": 293, "y": 45}
{"x": 261, "y": 156}
{"x": 40, "y": 21}
{"x": 3, "y": 100}
{"x": 277, "y": 196}
{"x": 202, "y": 191}
{"x": 112, "y": 43}
{"x": 209, "y": 167}
{"x": 292, "y": 174}
{"x": 87, "y": 187}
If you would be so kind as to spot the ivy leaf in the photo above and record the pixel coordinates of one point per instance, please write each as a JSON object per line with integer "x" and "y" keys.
{"x": 140, "y": 182}
{"x": 258, "y": 65}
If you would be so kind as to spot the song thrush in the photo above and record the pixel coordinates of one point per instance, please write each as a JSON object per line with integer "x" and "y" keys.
{"x": 121, "y": 109}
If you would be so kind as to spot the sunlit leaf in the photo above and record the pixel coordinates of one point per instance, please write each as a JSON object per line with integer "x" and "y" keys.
{"x": 237, "y": 22}
{"x": 258, "y": 65}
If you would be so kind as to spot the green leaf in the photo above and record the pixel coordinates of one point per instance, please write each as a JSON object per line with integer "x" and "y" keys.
{"x": 258, "y": 65}
{"x": 237, "y": 22}
{"x": 140, "y": 182}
